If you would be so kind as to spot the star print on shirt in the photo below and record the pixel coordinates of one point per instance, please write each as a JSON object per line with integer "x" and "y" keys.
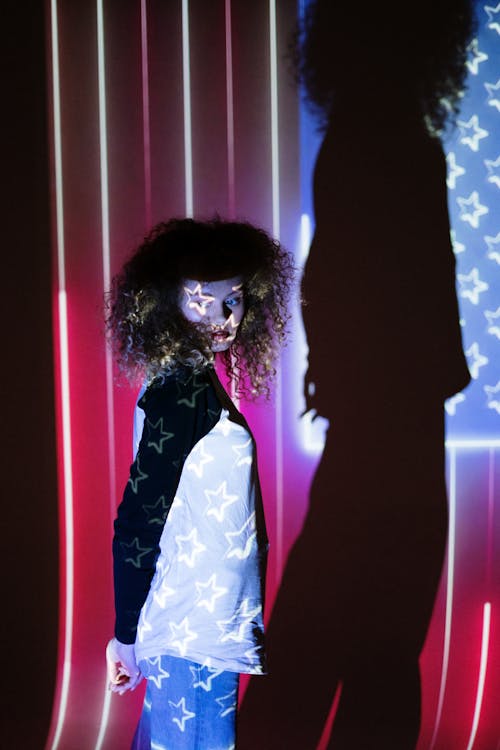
{"x": 472, "y": 133}
{"x": 134, "y": 547}
{"x": 143, "y": 627}
{"x": 493, "y": 318}
{"x": 157, "y": 435}
{"x": 478, "y": 210}
{"x": 204, "y": 680}
{"x": 227, "y": 703}
{"x": 181, "y": 635}
{"x": 493, "y": 90}
{"x": 471, "y": 286}
{"x": 493, "y": 396}
{"x": 189, "y": 547}
{"x": 242, "y": 453}
{"x": 158, "y": 512}
{"x": 197, "y": 467}
{"x": 241, "y": 541}
{"x": 454, "y": 170}
{"x": 493, "y": 17}
{"x": 218, "y": 501}
{"x": 198, "y": 387}
{"x": 452, "y": 403}
{"x": 183, "y": 714}
{"x": 493, "y": 168}
{"x": 208, "y": 593}
{"x": 141, "y": 475}
{"x": 476, "y": 359}
{"x": 163, "y": 593}
{"x": 492, "y": 243}
{"x": 161, "y": 674}
{"x": 237, "y": 625}
{"x": 477, "y": 57}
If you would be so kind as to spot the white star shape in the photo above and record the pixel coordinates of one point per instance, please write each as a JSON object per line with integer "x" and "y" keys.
{"x": 471, "y": 132}
{"x": 210, "y": 672}
{"x": 471, "y": 209}
{"x": 176, "y": 504}
{"x": 491, "y": 243}
{"x": 204, "y": 300}
{"x": 227, "y": 703}
{"x": 198, "y": 467}
{"x": 454, "y": 170}
{"x": 139, "y": 478}
{"x": 493, "y": 326}
{"x": 225, "y": 426}
{"x": 162, "y": 674}
{"x": 246, "y": 536}
{"x": 181, "y": 635}
{"x": 162, "y": 437}
{"x": 493, "y": 168}
{"x": 184, "y": 714}
{"x": 458, "y": 247}
{"x": 218, "y": 501}
{"x": 477, "y": 57}
{"x": 493, "y": 90}
{"x": 242, "y": 453}
{"x": 493, "y": 17}
{"x": 452, "y": 403}
{"x": 493, "y": 396}
{"x": 471, "y": 286}
{"x": 234, "y": 628}
{"x": 143, "y": 627}
{"x": 208, "y": 593}
{"x": 476, "y": 359}
{"x": 189, "y": 547}
{"x": 162, "y": 594}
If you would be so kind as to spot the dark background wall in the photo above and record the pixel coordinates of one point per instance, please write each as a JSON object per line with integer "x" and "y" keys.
{"x": 29, "y": 482}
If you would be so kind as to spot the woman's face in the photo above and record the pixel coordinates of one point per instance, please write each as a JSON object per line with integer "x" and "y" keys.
{"x": 217, "y": 306}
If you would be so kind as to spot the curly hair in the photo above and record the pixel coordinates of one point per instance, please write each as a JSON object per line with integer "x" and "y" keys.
{"x": 336, "y": 46}
{"x": 150, "y": 335}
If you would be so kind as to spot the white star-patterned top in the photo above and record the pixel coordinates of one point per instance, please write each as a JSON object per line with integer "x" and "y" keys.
{"x": 205, "y": 599}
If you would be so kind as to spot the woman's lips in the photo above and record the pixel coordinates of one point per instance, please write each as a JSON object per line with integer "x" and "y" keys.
{"x": 220, "y": 335}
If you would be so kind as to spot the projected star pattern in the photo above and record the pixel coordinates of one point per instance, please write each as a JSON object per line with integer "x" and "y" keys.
{"x": 473, "y": 159}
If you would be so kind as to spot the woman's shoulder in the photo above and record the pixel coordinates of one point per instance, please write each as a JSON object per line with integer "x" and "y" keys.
{"x": 180, "y": 387}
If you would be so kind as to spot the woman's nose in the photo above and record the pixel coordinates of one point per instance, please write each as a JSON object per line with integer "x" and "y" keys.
{"x": 218, "y": 313}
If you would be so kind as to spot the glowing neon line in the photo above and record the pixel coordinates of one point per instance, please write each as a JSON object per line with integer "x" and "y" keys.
{"x": 474, "y": 443}
{"x": 491, "y": 507}
{"x": 231, "y": 197}
{"x": 449, "y": 591}
{"x": 276, "y": 233}
{"x": 106, "y": 272}
{"x": 482, "y": 672}
{"x": 145, "y": 112}
{"x": 65, "y": 391}
{"x": 104, "y": 718}
{"x": 186, "y": 83}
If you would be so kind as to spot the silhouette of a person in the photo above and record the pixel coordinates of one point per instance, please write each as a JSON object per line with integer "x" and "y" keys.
{"x": 385, "y": 351}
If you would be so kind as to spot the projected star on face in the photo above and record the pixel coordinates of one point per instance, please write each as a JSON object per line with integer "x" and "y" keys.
{"x": 217, "y": 306}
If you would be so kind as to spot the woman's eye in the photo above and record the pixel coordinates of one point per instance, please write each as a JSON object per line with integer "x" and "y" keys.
{"x": 232, "y": 301}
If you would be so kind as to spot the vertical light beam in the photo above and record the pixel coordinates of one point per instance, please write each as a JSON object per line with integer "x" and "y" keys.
{"x": 186, "y": 82}
{"x": 482, "y": 672}
{"x": 66, "y": 610}
{"x": 231, "y": 198}
{"x": 145, "y": 114}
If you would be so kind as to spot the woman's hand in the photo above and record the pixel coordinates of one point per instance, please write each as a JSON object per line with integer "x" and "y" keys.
{"x": 123, "y": 672}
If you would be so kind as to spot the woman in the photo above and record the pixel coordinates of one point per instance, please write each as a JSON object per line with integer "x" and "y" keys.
{"x": 190, "y": 541}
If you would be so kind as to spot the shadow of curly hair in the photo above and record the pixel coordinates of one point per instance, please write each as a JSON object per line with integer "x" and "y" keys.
{"x": 149, "y": 334}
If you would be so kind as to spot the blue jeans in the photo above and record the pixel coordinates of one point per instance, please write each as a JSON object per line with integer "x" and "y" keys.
{"x": 187, "y": 706}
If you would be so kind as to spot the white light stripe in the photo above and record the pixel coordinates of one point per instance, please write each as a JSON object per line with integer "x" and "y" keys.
{"x": 64, "y": 396}
{"x": 186, "y": 82}
{"x": 482, "y": 672}
{"x": 276, "y": 232}
{"x": 449, "y": 591}
{"x": 491, "y": 510}
{"x": 106, "y": 263}
{"x": 106, "y": 275}
{"x": 145, "y": 114}
{"x": 231, "y": 197}
{"x": 104, "y": 717}
{"x": 274, "y": 118}
{"x": 474, "y": 443}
